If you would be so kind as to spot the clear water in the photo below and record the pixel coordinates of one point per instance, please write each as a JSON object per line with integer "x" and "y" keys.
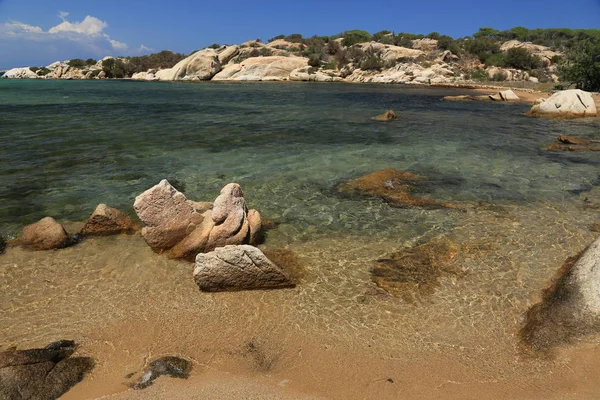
{"x": 66, "y": 146}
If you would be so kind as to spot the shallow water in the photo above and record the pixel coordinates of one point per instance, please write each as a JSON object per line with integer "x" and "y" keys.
{"x": 66, "y": 146}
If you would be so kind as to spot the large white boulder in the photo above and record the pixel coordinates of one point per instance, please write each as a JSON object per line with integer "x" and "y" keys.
{"x": 202, "y": 65}
{"x": 572, "y": 103}
{"x": 20, "y": 73}
{"x": 271, "y": 68}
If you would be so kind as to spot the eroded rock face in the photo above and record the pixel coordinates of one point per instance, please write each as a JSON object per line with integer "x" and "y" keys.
{"x": 233, "y": 268}
{"x": 20, "y": 73}
{"x": 392, "y": 186}
{"x": 570, "y": 307}
{"x": 196, "y": 241}
{"x": 167, "y": 214}
{"x": 46, "y": 234}
{"x": 202, "y": 65}
{"x": 572, "y": 103}
{"x": 106, "y": 220}
{"x": 41, "y": 374}
{"x": 389, "y": 115}
{"x": 229, "y": 215}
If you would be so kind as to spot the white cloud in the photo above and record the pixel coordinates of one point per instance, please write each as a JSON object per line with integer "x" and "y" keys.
{"x": 118, "y": 45}
{"x": 68, "y": 39}
{"x": 144, "y": 49}
{"x": 89, "y": 26}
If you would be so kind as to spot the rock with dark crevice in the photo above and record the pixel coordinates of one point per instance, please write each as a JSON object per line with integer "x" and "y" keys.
{"x": 106, "y": 220}
{"x": 41, "y": 374}
{"x": 233, "y": 268}
{"x": 389, "y": 115}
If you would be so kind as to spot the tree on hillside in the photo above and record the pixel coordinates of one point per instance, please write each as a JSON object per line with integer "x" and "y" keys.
{"x": 355, "y": 36}
{"x": 582, "y": 66}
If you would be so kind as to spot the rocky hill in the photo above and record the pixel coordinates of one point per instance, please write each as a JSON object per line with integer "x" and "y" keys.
{"x": 355, "y": 56}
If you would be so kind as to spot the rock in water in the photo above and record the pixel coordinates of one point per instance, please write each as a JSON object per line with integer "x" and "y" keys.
{"x": 229, "y": 215}
{"x": 389, "y": 115}
{"x": 174, "y": 367}
{"x": 167, "y": 214}
{"x": 41, "y": 374}
{"x": 2, "y": 245}
{"x": 45, "y": 234}
{"x": 570, "y": 307}
{"x": 195, "y": 242}
{"x": 572, "y": 103}
{"x": 232, "y": 268}
{"x": 392, "y": 186}
{"x": 108, "y": 221}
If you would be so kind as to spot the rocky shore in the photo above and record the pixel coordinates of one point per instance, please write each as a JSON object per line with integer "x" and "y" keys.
{"x": 281, "y": 60}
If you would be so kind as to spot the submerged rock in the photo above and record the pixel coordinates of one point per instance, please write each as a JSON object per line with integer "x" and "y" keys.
{"x": 41, "y": 374}
{"x": 108, "y": 221}
{"x": 167, "y": 214}
{"x": 174, "y": 367}
{"x": 570, "y": 307}
{"x": 572, "y": 143}
{"x": 389, "y": 115}
{"x": 392, "y": 186}
{"x": 572, "y": 103}
{"x": 413, "y": 272}
{"x": 232, "y": 268}
{"x": 46, "y": 234}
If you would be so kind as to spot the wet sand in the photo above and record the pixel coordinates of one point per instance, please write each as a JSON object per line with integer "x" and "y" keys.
{"x": 336, "y": 335}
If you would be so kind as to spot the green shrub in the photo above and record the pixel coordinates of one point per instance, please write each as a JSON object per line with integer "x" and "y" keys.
{"x": 499, "y": 76}
{"x": 482, "y": 48}
{"x": 355, "y": 36}
{"x": 43, "y": 71}
{"x": 497, "y": 60}
{"x": 90, "y": 61}
{"x": 265, "y": 52}
{"x": 521, "y": 58}
{"x": 582, "y": 66}
{"x": 34, "y": 69}
{"x": 314, "y": 60}
{"x": 76, "y": 63}
{"x": 479, "y": 74}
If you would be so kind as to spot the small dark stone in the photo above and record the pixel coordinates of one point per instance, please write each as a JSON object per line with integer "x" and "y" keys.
{"x": 61, "y": 345}
{"x": 390, "y": 380}
{"x": 2, "y": 245}
{"x": 174, "y": 367}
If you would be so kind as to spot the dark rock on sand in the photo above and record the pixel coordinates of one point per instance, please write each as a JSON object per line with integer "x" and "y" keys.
{"x": 232, "y": 268}
{"x": 108, "y": 221}
{"x": 174, "y": 367}
{"x": 45, "y": 234}
{"x": 570, "y": 307}
{"x": 2, "y": 245}
{"x": 413, "y": 272}
{"x": 392, "y": 186}
{"x": 389, "y": 115}
{"x": 41, "y": 374}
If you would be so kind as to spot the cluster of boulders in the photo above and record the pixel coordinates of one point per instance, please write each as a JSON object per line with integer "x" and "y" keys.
{"x": 505, "y": 95}
{"x": 572, "y": 103}
{"x": 60, "y": 70}
{"x": 226, "y": 230}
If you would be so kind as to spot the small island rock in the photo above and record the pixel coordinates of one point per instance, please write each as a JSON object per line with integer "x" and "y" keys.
{"x": 45, "y": 234}
{"x": 232, "y": 268}
{"x": 106, "y": 220}
{"x": 389, "y": 115}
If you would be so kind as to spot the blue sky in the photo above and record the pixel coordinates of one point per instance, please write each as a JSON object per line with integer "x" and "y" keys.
{"x": 38, "y": 32}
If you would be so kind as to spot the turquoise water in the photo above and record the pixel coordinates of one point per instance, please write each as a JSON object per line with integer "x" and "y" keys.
{"x": 66, "y": 146}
